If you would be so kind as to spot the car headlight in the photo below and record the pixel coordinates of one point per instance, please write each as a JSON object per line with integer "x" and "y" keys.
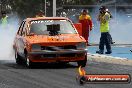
{"x": 36, "y": 47}
{"x": 81, "y": 45}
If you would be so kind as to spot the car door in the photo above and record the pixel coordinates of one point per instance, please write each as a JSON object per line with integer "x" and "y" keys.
{"x": 19, "y": 39}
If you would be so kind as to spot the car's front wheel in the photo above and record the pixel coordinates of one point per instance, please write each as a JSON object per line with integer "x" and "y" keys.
{"x": 29, "y": 63}
{"x": 18, "y": 58}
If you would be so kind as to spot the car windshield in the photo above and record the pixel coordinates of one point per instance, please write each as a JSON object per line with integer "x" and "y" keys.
{"x": 40, "y": 27}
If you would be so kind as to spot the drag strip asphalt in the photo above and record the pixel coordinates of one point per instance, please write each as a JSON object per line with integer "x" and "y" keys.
{"x": 56, "y": 75}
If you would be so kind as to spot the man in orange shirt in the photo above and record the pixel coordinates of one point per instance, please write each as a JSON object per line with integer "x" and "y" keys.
{"x": 87, "y": 24}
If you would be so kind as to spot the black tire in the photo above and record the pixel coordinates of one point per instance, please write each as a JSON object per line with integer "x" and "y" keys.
{"x": 28, "y": 63}
{"x": 18, "y": 58}
{"x": 63, "y": 63}
{"x": 82, "y": 63}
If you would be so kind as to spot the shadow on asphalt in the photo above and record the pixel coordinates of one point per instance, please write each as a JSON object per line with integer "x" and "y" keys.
{"x": 8, "y": 64}
{"x": 53, "y": 66}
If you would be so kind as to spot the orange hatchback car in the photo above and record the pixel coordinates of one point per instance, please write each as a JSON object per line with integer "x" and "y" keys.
{"x": 49, "y": 39}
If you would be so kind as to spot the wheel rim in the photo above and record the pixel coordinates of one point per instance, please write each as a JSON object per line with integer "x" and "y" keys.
{"x": 27, "y": 62}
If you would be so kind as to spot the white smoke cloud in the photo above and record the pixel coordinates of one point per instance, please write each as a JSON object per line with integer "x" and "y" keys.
{"x": 7, "y": 34}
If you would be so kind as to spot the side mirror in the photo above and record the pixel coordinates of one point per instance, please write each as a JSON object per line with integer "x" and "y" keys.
{"x": 31, "y": 34}
{"x": 78, "y": 26}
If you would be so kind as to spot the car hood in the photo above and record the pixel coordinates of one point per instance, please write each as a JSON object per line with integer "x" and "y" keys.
{"x": 63, "y": 38}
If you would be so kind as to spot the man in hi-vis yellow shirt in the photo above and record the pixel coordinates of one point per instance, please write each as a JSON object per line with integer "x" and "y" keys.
{"x": 105, "y": 38}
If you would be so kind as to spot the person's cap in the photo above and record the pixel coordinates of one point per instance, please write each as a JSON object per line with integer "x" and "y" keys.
{"x": 102, "y": 8}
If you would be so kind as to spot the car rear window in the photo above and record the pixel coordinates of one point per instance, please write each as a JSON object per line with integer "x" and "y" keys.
{"x": 39, "y": 27}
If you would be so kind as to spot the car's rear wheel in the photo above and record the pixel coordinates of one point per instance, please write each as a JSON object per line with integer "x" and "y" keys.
{"x": 29, "y": 63}
{"x": 18, "y": 58}
{"x": 82, "y": 62}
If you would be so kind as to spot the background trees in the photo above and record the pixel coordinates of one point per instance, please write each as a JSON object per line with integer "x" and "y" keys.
{"x": 28, "y": 8}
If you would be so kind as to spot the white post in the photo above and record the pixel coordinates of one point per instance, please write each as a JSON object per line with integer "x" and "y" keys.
{"x": 54, "y": 8}
{"x": 45, "y": 7}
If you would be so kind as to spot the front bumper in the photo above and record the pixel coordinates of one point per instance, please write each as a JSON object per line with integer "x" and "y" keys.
{"x": 57, "y": 52}
{"x": 58, "y": 56}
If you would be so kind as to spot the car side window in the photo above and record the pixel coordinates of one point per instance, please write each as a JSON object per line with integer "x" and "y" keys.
{"x": 24, "y": 31}
{"x": 21, "y": 28}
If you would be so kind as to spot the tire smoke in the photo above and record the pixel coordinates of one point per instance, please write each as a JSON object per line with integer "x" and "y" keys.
{"x": 7, "y": 34}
